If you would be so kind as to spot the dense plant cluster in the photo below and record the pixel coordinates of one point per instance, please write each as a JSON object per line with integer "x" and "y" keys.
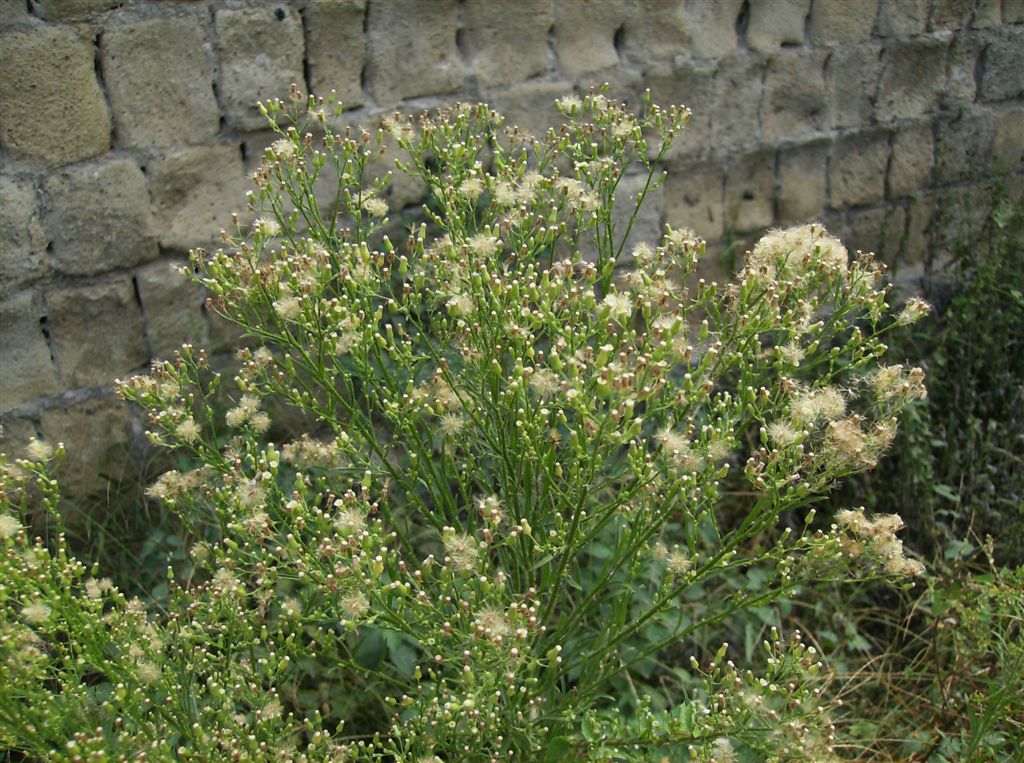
{"x": 938, "y": 673}
{"x": 959, "y": 456}
{"x": 508, "y": 508}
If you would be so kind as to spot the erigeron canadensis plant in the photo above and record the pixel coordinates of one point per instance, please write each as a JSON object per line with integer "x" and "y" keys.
{"x": 513, "y": 485}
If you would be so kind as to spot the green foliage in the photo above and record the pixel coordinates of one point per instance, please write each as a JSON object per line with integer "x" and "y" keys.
{"x": 937, "y": 676}
{"x": 131, "y": 537}
{"x": 510, "y": 511}
{"x": 947, "y": 673}
{"x": 956, "y": 471}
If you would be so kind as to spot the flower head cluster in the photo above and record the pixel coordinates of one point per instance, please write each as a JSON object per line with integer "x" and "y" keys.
{"x": 795, "y": 252}
{"x": 822, "y": 404}
{"x": 247, "y": 411}
{"x": 914, "y": 309}
{"x": 877, "y": 535}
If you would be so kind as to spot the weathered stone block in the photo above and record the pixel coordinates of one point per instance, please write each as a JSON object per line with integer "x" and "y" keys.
{"x": 917, "y": 246}
{"x": 881, "y": 230}
{"x": 690, "y": 85}
{"x": 913, "y": 78}
{"x": 53, "y": 109}
{"x": 734, "y": 121}
{"x": 506, "y": 42}
{"x": 96, "y": 435}
{"x": 660, "y": 31}
{"x": 962, "y": 146}
{"x": 962, "y": 66}
{"x": 413, "y": 49}
{"x": 335, "y": 48}
{"x": 585, "y": 35}
{"x": 13, "y": 12}
{"x": 802, "y": 183}
{"x": 159, "y": 76}
{"x": 950, "y": 15}
{"x": 750, "y": 192}
{"x": 913, "y": 155}
{"x": 852, "y": 80}
{"x": 64, "y": 10}
{"x": 22, "y": 240}
{"x": 26, "y": 368}
{"x": 261, "y": 53}
{"x": 531, "y": 106}
{"x": 856, "y": 173}
{"x": 1007, "y": 152}
{"x": 775, "y": 25}
{"x": 901, "y": 18}
{"x": 96, "y": 332}
{"x": 794, "y": 95}
{"x": 98, "y": 217}
{"x": 694, "y": 198}
{"x": 655, "y": 31}
{"x": 987, "y": 14}
{"x": 1003, "y": 66}
{"x": 172, "y": 307}
{"x": 842, "y": 21}
{"x": 712, "y": 27}
{"x": 194, "y": 191}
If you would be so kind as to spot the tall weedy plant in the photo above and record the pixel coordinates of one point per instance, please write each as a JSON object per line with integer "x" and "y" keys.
{"x": 513, "y": 488}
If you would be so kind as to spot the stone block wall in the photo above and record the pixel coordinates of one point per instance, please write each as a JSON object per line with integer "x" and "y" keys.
{"x": 128, "y": 132}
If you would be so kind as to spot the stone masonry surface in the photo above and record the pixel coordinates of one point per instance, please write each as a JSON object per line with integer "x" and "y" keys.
{"x": 128, "y": 131}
